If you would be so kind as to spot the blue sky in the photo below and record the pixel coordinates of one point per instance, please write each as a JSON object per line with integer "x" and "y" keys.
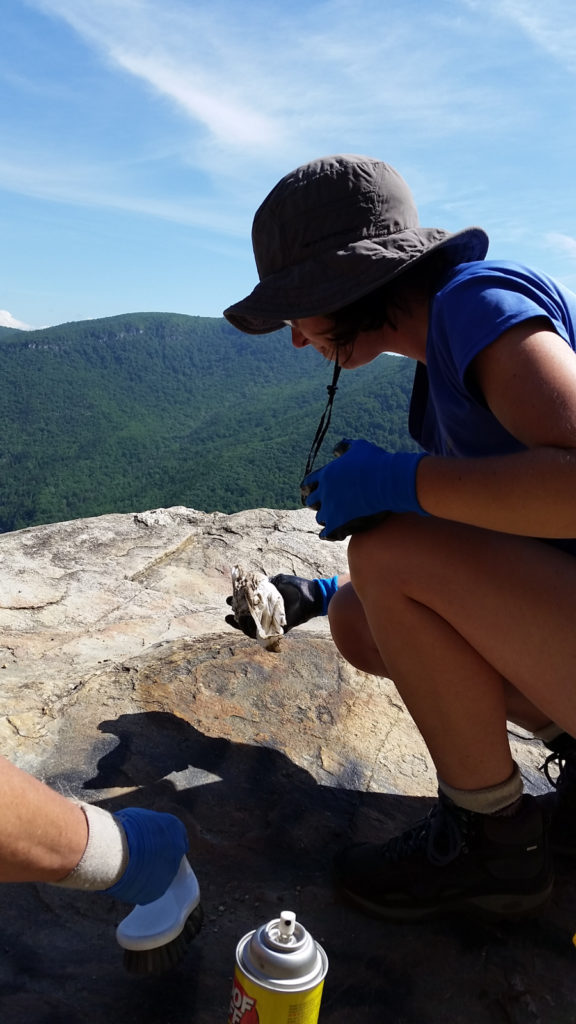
{"x": 139, "y": 136}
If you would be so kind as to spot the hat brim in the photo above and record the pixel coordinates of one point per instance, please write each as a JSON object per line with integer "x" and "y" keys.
{"x": 337, "y": 278}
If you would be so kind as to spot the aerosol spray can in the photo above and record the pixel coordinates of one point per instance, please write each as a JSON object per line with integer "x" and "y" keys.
{"x": 279, "y": 975}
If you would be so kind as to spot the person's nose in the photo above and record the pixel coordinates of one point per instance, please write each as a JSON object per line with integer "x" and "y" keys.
{"x": 298, "y": 339}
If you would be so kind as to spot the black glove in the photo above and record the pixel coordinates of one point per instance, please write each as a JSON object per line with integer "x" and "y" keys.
{"x": 303, "y": 600}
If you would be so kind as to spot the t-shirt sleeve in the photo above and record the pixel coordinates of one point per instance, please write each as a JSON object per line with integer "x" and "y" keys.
{"x": 471, "y": 312}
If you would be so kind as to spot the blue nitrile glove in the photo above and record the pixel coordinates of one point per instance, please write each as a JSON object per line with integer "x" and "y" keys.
{"x": 303, "y": 600}
{"x": 359, "y": 487}
{"x": 156, "y": 843}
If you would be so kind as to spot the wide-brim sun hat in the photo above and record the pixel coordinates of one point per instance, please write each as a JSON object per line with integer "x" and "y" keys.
{"x": 330, "y": 232}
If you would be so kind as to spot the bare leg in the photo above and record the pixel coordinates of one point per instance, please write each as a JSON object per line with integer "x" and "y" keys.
{"x": 43, "y": 835}
{"x": 458, "y": 615}
{"x": 355, "y": 642}
{"x": 521, "y": 711}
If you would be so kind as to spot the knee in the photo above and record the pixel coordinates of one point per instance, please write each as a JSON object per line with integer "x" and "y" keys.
{"x": 351, "y": 633}
{"x": 385, "y": 554}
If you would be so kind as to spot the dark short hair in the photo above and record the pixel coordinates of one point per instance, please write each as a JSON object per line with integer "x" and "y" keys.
{"x": 379, "y": 307}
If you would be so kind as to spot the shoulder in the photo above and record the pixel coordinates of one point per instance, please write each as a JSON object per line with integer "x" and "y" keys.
{"x": 506, "y": 284}
{"x": 478, "y": 302}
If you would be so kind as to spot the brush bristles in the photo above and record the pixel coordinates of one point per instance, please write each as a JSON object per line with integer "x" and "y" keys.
{"x": 164, "y": 958}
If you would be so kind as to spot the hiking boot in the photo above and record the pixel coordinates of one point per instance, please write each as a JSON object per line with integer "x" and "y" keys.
{"x": 559, "y": 808}
{"x": 452, "y": 860}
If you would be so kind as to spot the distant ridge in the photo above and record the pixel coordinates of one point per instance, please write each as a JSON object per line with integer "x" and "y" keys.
{"x": 143, "y": 410}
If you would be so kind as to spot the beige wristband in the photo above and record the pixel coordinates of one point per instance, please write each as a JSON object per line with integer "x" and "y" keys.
{"x": 106, "y": 856}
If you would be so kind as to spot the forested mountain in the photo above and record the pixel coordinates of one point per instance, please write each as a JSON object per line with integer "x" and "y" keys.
{"x": 155, "y": 409}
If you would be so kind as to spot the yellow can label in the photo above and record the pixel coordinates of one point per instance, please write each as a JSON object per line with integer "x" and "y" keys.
{"x": 252, "y": 1004}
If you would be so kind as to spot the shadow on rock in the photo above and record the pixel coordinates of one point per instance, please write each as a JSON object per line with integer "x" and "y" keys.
{"x": 248, "y": 802}
{"x": 263, "y": 833}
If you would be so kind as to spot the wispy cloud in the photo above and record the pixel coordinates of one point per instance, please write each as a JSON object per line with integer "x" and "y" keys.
{"x": 239, "y": 93}
{"x": 226, "y": 118}
{"x": 255, "y": 78}
{"x": 178, "y": 52}
{"x": 186, "y": 112}
{"x": 252, "y": 89}
{"x": 551, "y": 25}
{"x": 111, "y": 186}
{"x": 7, "y": 320}
{"x": 562, "y": 243}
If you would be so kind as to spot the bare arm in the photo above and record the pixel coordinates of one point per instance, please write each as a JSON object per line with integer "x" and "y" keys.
{"x": 43, "y": 835}
{"x": 528, "y": 379}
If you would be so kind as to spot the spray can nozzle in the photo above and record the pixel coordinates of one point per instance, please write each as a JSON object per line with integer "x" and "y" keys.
{"x": 287, "y": 925}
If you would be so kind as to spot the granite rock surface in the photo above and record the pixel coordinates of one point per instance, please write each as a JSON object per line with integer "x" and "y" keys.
{"x": 121, "y": 684}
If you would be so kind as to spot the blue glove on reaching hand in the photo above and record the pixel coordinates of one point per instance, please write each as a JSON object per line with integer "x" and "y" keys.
{"x": 156, "y": 844}
{"x": 360, "y": 487}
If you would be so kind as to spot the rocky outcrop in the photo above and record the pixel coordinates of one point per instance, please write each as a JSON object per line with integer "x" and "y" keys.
{"x": 121, "y": 683}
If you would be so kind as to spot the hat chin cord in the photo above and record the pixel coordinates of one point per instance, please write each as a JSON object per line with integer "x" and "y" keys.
{"x": 324, "y": 420}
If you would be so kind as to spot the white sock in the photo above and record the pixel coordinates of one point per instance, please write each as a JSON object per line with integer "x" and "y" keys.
{"x": 487, "y": 801}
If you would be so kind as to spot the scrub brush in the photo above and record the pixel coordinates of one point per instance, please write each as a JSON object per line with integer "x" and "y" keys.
{"x": 155, "y": 937}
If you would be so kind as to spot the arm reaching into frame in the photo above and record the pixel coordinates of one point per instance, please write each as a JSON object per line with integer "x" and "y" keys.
{"x": 132, "y": 855}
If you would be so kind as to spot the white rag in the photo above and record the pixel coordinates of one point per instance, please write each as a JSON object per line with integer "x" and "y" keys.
{"x": 253, "y": 594}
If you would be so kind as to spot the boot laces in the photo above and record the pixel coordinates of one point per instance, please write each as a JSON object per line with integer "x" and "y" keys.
{"x": 565, "y": 765}
{"x": 441, "y": 835}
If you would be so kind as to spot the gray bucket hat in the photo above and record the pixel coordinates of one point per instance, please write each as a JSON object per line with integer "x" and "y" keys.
{"x": 330, "y": 232}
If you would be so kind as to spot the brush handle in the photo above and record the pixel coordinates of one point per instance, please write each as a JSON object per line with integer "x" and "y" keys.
{"x": 156, "y": 924}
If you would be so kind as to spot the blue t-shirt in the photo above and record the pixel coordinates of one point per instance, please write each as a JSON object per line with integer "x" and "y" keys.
{"x": 476, "y": 303}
